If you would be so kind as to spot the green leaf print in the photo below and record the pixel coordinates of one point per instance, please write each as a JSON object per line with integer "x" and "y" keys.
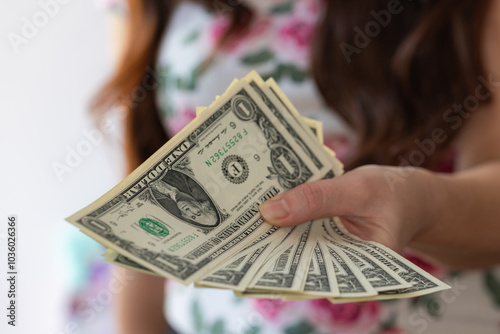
{"x": 252, "y": 330}
{"x": 191, "y": 37}
{"x": 189, "y": 83}
{"x": 182, "y": 84}
{"x": 300, "y": 328}
{"x": 277, "y": 74}
{"x": 434, "y": 307}
{"x": 258, "y": 57}
{"x": 390, "y": 322}
{"x": 218, "y": 327}
{"x": 493, "y": 285}
{"x": 431, "y": 303}
{"x": 296, "y": 73}
{"x": 418, "y": 301}
{"x": 282, "y": 8}
{"x": 164, "y": 82}
{"x": 163, "y": 75}
{"x": 237, "y": 300}
{"x": 197, "y": 317}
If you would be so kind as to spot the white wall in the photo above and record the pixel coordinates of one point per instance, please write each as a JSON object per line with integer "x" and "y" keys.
{"x": 45, "y": 88}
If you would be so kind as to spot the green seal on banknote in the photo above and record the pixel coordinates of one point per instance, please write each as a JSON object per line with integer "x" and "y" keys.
{"x": 154, "y": 227}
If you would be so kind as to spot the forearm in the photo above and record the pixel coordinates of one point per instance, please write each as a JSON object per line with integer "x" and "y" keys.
{"x": 465, "y": 229}
{"x": 140, "y": 305}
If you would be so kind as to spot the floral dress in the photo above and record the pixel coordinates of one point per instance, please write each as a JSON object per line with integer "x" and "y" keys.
{"x": 278, "y": 45}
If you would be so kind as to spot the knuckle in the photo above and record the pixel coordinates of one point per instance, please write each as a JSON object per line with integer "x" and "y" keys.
{"x": 313, "y": 197}
{"x": 371, "y": 187}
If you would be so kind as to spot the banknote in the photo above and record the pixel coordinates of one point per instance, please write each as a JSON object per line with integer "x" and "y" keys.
{"x": 234, "y": 275}
{"x": 237, "y": 274}
{"x": 170, "y": 214}
{"x": 276, "y": 92}
{"x": 271, "y": 88}
{"x": 301, "y": 132}
{"x": 378, "y": 274}
{"x": 287, "y": 268}
{"x": 316, "y": 127}
{"x": 321, "y": 280}
{"x": 350, "y": 280}
{"x": 191, "y": 211}
{"x": 122, "y": 261}
{"x": 421, "y": 281}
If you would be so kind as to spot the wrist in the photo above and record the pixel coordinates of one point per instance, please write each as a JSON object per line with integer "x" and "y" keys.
{"x": 433, "y": 197}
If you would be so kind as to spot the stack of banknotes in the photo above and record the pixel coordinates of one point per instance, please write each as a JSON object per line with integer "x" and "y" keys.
{"x": 191, "y": 211}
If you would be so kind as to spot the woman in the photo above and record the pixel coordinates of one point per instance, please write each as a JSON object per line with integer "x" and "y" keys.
{"x": 396, "y": 84}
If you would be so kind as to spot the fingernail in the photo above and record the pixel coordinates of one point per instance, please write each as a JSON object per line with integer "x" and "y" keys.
{"x": 274, "y": 209}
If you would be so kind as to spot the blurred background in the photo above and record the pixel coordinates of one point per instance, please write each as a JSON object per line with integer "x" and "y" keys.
{"x": 55, "y": 159}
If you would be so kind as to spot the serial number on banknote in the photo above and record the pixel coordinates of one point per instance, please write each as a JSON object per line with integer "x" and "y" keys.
{"x": 183, "y": 242}
{"x": 226, "y": 147}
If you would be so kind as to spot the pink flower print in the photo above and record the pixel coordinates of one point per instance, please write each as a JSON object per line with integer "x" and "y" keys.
{"x": 298, "y": 33}
{"x": 341, "y": 145}
{"x": 349, "y": 318}
{"x": 171, "y": 284}
{"x": 424, "y": 264}
{"x": 294, "y": 39}
{"x": 447, "y": 163}
{"x": 270, "y": 308}
{"x": 218, "y": 28}
{"x": 235, "y": 42}
{"x": 309, "y": 9}
{"x": 393, "y": 330}
{"x": 314, "y": 6}
{"x": 180, "y": 120}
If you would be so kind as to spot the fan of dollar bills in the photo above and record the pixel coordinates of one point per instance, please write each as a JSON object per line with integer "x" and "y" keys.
{"x": 190, "y": 212}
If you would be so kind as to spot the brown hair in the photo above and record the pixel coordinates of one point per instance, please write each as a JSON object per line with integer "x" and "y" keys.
{"x": 392, "y": 89}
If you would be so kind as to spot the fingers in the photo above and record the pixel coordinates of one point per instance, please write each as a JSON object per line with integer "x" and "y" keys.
{"x": 305, "y": 203}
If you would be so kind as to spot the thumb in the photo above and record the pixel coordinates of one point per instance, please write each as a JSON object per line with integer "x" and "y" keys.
{"x": 306, "y": 202}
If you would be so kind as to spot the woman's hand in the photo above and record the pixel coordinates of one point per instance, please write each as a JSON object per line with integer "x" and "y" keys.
{"x": 390, "y": 205}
